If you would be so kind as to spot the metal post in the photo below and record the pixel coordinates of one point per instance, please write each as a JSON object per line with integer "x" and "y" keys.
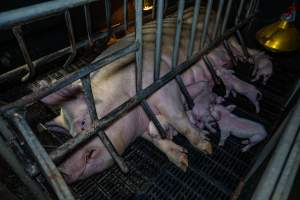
{"x": 227, "y": 12}
{"x": 88, "y": 93}
{"x": 205, "y": 26}
{"x": 71, "y": 39}
{"x": 273, "y": 171}
{"x": 125, "y": 15}
{"x": 159, "y": 23}
{"x": 217, "y": 23}
{"x": 88, "y": 23}
{"x": 30, "y": 68}
{"x": 176, "y": 45}
{"x": 194, "y": 28}
{"x": 210, "y": 68}
{"x": 48, "y": 167}
{"x": 139, "y": 43}
{"x": 108, "y": 16}
{"x": 8, "y": 155}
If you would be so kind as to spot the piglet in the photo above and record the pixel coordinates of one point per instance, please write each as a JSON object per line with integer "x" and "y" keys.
{"x": 233, "y": 84}
{"x": 230, "y": 124}
{"x": 263, "y": 67}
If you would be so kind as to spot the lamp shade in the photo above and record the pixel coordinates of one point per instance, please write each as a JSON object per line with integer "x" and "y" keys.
{"x": 281, "y": 36}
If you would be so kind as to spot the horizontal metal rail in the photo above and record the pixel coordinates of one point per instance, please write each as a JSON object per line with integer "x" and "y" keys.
{"x": 59, "y": 154}
{"x": 35, "y": 12}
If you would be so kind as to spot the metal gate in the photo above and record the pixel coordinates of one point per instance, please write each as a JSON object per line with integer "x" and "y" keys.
{"x": 12, "y": 115}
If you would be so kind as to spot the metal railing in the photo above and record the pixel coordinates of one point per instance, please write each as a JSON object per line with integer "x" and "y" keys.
{"x": 13, "y": 115}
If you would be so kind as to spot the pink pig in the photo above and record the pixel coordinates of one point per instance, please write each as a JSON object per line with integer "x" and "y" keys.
{"x": 263, "y": 67}
{"x": 230, "y": 124}
{"x": 234, "y": 84}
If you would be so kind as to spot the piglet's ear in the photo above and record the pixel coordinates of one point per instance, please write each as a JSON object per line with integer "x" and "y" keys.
{"x": 65, "y": 94}
{"x": 231, "y": 107}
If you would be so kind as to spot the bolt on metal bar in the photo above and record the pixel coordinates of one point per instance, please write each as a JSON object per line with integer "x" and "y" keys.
{"x": 218, "y": 18}
{"x": 226, "y": 16}
{"x": 210, "y": 68}
{"x": 194, "y": 28}
{"x": 36, "y": 12}
{"x": 48, "y": 167}
{"x": 206, "y": 20}
{"x": 275, "y": 166}
{"x": 71, "y": 39}
{"x": 30, "y": 68}
{"x": 159, "y": 23}
{"x": 88, "y": 23}
{"x": 9, "y": 156}
{"x": 125, "y": 7}
{"x": 89, "y": 97}
{"x": 108, "y": 16}
{"x": 175, "y": 54}
{"x": 70, "y": 78}
{"x": 60, "y": 153}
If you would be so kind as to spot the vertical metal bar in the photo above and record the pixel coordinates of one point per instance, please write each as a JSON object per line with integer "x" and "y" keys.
{"x": 176, "y": 52}
{"x": 71, "y": 39}
{"x": 112, "y": 151}
{"x": 227, "y": 12}
{"x": 159, "y": 22}
{"x": 108, "y": 16}
{"x": 153, "y": 118}
{"x": 154, "y": 10}
{"x": 165, "y": 7}
{"x": 126, "y": 15}
{"x": 243, "y": 44}
{"x": 88, "y": 23}
{"x": 139, "y": 43}
{"x": 48, "y": 167}
{"x": 210, "y": 68}
{"x": 194, "y": 28}
{"x": 206, "y": 20}
{"x": 88, "y": 93}
{"x": 8, "y": 155}
{"x": 250, "y": 8}
{"x": 217, "y": 23}
{"x": 256, "y": 6}
{"x": 238, "y": 16}
{"x": 31, "y": 70}
{"x": 230, "y": 53}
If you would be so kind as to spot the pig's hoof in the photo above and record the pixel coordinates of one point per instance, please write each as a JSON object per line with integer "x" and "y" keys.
{"x": 204, "y": 146}
{"x": 178, "y": 155}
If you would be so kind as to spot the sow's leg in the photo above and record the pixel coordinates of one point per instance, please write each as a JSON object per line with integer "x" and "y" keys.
{"x": 169, "y": 103}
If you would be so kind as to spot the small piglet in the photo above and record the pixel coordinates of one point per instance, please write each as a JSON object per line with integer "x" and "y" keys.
{"x": 230, "y": 124}
{"x": 263, "y": 67}
{"x": 233, "y": 84}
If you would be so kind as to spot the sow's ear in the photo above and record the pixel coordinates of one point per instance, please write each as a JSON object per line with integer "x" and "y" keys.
{"x": 66, "y": 93}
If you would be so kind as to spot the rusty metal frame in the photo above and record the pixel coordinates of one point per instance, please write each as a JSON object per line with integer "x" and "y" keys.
{"x": 14, "y": 112}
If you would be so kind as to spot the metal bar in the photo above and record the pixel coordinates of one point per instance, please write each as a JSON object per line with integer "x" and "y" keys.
{"x": 227, "y": 12}
{"x": 88, "y": 93}
{"x": 125, "y": 15}
{"x": 88, "y": 23}
{"x": 70, "y": 78}
{"x": 175, "y": 54}
{"x": 249, "y": 8}
{"x": 8, "y": 155}
{"x": 108, "y": 16}
{"x": 31, "y": 70}
{"x": 36, "y": 12}
{"x": 159, "y": 23}
{"x": 286, "y": 181}
{"x": 112, "y": 151}
{"x": 194, "y": 28}
{"x": 243, "y": 44}
{"x": 153, "y": 118}
{"x": 206, "y": 20}
{"x": 59, "y": 154}
{"x": 210, "y": 68}
{"x": 230, "y": 53}
{"x": 165, "y": 7}
{"x": 53, "y": 56}
{"x": 48, "y": 167}
{"x": 238, "y": 16}
{"x": 71, "y": 39}
{"x": 273, "y": 171}
{"x": 139, "y": 43}
{"x": 217, "y": 23}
